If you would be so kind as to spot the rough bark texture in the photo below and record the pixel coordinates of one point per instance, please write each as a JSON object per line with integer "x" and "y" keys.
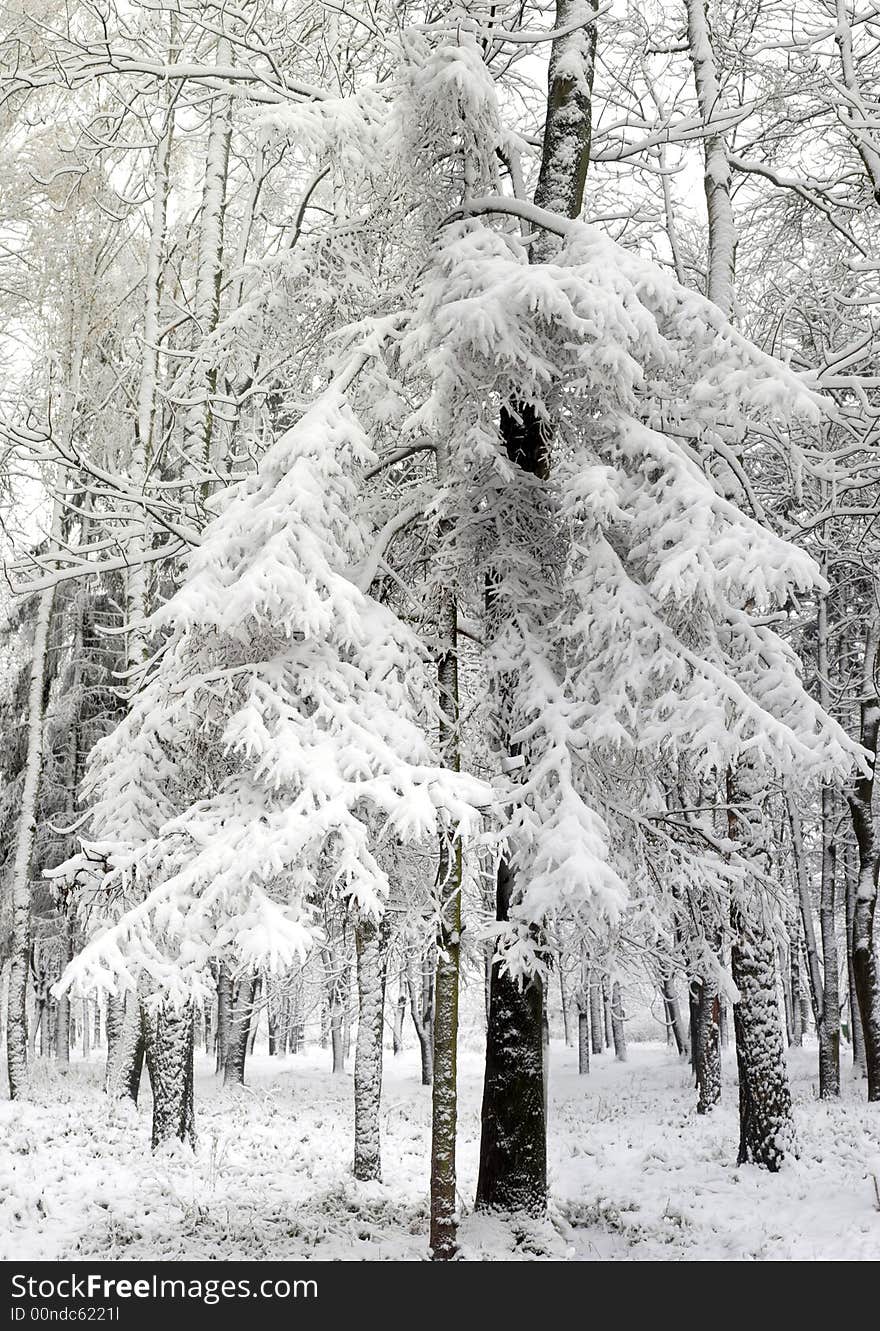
{"x": 767, "y": 1131}
{"x": 864, "y": 955}
{"x": 513, "y": 1142}
{"x": 829, "y": 1026}
{"x": 168, "y": 1043}
{"x": 707, "y": 1048}
{"x": 369, "y": 949}
{"x": 126, "y": 1064}
{"x": 244, "y": 992}
{"x": 444, "y": 1097}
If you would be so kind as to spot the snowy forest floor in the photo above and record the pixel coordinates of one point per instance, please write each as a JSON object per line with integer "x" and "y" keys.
{"x": 635, "y": 1174}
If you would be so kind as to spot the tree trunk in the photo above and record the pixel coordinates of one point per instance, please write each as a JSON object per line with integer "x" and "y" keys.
{"x": 422, "y": 1014}
{"x": 606, "y": 1007}
{"x": 673, "y": 1017}
{"x": 513, "y": 1143}
{"x": 224, "y": 1014}
{"x": 857, "y": 1033}
{"x": 444, "y": 1096}
{"x": 26, "y": 830}
{"x": 369, "y": 941}
{"x": 513, "y": 1146}
{"x": 864, "y": 952}
{"x": 62, "y": 1011}
{"x": 583, "y": 1042}
{"x": 125, "y": 1068}
{"x": 618, "y": 1027}
{"x": 707, "y": 1048}
{"x": 767, "y": 1131}
{"x": 399, "y": 1014}
{"x": 239, "y": 1029}
{"x": 168, "y": 1042}
{"x": 597, "y": 1028}
{"x": 829, "y": 1027}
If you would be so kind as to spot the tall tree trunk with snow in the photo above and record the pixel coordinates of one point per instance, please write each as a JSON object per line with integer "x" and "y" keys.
{"x": 857, "y": 1034}
{"x": 767, "y": 1131}
{"x": 370, "y": 941}
{"x": 444, "y": 1096}
{"x": 168, "y": 1042}
{"x": 861, "y": 800}
{"x": 716, "y": 177}
{"x": 26, "y": 830}
{"x": 125, "y": 1062}
{"x": 513, "y": 1143}
{"x": 829, "y": 1028}
{"x": 202, "y": 445}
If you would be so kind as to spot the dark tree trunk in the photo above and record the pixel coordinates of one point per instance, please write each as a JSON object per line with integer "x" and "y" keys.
{"x": 829, "y": 1026}
{"x": 767, "y": 1132}
{"x": 864, "y": 954}
{"x": 168, "y": 1043}
{"x": 513, "y": 1143}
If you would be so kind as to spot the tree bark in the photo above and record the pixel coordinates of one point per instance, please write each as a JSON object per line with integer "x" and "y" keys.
{"x": 767, "y": 1131}
{"x": 864, "y": 952}
{"x": 583, "y": 1042}
{"x": 168, "y": 1042}
{"x": 26, "y": 831}
{"x": 239, "y": 1029}
{"x": 444, "y": 1095}
{"x": 369, "y": 941}
{"x": 618, "y": 1028}
{"x": 125, "y": 1063}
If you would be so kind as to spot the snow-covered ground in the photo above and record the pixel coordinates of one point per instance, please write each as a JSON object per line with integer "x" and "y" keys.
{"x": 635, "y": 1174}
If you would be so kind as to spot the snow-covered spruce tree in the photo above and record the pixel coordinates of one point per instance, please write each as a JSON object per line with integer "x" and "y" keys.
{"x": 627, "y": 595}
{"x": 279, "y": 735}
